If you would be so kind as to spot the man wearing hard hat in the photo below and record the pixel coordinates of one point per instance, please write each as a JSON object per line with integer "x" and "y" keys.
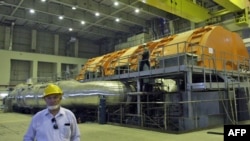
{"x": 55, "y": 123}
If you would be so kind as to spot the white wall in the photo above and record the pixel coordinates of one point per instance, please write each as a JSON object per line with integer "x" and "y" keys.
{"x": 6, "y": 57}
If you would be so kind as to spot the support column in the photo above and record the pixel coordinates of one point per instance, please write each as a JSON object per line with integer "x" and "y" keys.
{"x": 190, "y": 104}
{"x": 192, "y": 25}
{"x": 189, "y": 94}
{"x": 56, "y": 44}
{"x": 5, "y": 70}
{"x": 166, "y": 105}
{"x": 79, "y": 68}
{"x": 34, "y": 68}
{"x": 139, "y": 103}
{"x": 11, "y": 35}
{"x": 7, "y": 38}
{"x": 102, "y": 110}
{"x": 171, "y": 27}
{"x": 33, "y": 40}
{"x": 58, "y": 70}
{"x": 76, "y": 47}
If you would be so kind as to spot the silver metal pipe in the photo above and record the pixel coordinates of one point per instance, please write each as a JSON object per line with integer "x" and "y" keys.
{"x": 74, "y": 93}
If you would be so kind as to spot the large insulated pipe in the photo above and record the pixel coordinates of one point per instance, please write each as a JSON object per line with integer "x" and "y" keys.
{"x": 88, "y": 93}
{"x": 74, "y": 94}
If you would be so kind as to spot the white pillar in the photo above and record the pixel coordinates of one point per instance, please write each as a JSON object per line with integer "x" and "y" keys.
{"x": 34, "y": 67}
{"x": 59, "y": 70}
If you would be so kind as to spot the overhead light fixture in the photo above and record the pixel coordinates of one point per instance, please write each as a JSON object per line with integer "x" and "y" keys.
{"x": 43, "y": 0}
{"x": 74, "y": 7}
{"x": 70, "y": 29}
{"x": 82, "y": 22}
{"x": 117, "y": 20}
{"x": 32, "y": 11}
{"x": 61, "y": 17}
{"x": 137, "y": 10}
{"x": 97, "y": 14}
{"x": 116, "y": 3}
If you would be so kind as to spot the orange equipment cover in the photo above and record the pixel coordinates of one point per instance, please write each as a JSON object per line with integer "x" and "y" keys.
{"x": 214, "y": 47}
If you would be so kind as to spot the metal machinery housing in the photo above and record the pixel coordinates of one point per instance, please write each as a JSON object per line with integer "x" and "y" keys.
{"x": 196, "y": 79}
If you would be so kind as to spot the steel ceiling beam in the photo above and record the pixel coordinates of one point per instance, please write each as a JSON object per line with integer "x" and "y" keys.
{"x": 102, "y": 9}
{"x": 182, "y": 8}
{"x": 232, "y": 5}
{"x": 67, "y": 16}
{"x": 99, "y": 33}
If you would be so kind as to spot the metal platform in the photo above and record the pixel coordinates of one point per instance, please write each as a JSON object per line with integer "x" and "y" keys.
{"x": 183, "y": 110}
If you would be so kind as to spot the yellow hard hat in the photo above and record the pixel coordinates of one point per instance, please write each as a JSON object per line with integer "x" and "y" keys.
{"x": 52, "y": 89}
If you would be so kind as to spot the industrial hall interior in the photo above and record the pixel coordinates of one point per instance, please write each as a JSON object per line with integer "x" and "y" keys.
{"x": 173, "y": 66}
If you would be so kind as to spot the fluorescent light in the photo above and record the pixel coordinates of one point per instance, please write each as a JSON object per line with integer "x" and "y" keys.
{"x": 73, "y": 7}
{"x": 137, "y": 10}
{"x": 117, "y": 19}
{"x": 32, "y": 11}
{"x": 60, "y": 17}
{"x": 97, "y": 14}
{"x": 116, "y": 3}
{"x": 82, "y": 22}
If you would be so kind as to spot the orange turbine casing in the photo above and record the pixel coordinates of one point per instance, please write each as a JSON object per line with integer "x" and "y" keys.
{"x": 215, "y": 47}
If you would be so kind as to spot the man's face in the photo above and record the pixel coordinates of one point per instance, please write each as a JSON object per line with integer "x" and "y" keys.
{"x": 53, "y": 99}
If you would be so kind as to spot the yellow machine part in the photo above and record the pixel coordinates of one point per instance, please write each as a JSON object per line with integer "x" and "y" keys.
{"x": 109, "y": 64}
{"x": 213, "y": 46}
{"x": 90, "y": 66}
{"x": 157, "y": 50}
{"x": 125, "y": 60}
{"x": 186, "y": 9}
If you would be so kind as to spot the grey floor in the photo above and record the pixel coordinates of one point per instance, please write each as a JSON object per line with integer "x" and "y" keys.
{"x": 14, "y": 125}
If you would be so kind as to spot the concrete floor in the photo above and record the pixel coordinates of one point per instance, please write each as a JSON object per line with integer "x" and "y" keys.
{"x": 14, "y": 125}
